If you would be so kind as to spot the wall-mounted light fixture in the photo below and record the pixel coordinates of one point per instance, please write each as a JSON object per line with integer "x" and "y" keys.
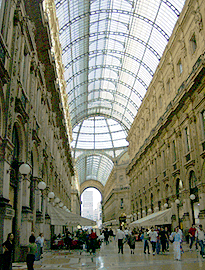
{"x": 51, "y": 195}
{"x": 24, "y": 169}
{"x": 41, "y": 185}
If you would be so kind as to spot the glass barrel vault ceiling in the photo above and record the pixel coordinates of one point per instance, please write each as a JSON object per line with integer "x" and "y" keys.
{"x": 110, "y": 50}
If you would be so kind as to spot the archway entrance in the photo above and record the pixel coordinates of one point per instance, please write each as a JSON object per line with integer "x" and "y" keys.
{"x": 91, "y": 206}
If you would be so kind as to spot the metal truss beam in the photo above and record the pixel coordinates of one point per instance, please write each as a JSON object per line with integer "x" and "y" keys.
{"x": 103, "y": 38}
{"x": 125, "y": 24}
{"x": 105, "y": 90}
{"x": 172, "y": 7}
{"x": 84, "y": 114}
{"x": 101, "y": 114}
{"x": 103, "y": 100}
{"x": 88, "y": 152}
{"x": 110, "y": 33}
{"x": 111, "y": 67}
{"x": 115, "y": 81}
{"x": 115, "y": 11}
{"x": 111, "y": 52}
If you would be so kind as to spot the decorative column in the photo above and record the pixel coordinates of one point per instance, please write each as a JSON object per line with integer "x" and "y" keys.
{"x": 201, "y": 192}
{"x": 186, "y": 209}
{"x": 6, "y": 211}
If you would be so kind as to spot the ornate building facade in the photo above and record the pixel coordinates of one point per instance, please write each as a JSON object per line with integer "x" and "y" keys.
{"x": 116, "y": 201}
{"x": 34, "y": 124}
{"x": 167, "y": 137}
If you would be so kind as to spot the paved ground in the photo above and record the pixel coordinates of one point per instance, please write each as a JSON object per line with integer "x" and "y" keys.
{"x": 108, "y": 258}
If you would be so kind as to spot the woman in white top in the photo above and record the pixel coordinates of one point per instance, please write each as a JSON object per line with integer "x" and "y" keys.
{"x": 40, "y": 243}
{"x": 177, "y": 237}
{"x": 153, "y": 239}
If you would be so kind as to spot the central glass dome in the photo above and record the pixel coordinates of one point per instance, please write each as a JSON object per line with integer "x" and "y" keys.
{"x": 99, "y": 132}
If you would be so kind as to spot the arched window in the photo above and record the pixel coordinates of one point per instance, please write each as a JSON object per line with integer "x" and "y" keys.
{"x": 15, "y": 141}
{"x": 151, "y": 199}
{"x": 192, "y": 180}
{"x": 179, "y": 186}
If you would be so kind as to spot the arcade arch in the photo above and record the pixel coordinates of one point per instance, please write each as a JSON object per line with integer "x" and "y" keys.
{"x": 92, "y": 184}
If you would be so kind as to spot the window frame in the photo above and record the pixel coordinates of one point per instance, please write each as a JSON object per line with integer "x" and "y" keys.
{"x": 180, "y": 66}
{"x": 202, "y": 120}
{"x": 193, "y": 43}
{"x": 187, "y": 140}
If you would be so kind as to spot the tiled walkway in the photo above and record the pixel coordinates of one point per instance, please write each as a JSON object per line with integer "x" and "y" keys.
{"x": 108, "y": 258}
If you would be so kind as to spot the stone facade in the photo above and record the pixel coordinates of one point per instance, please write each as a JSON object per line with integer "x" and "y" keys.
{"x": 34, "y": 124}
{"x": 116, "y": 197}
{"x": 167, "y": 137}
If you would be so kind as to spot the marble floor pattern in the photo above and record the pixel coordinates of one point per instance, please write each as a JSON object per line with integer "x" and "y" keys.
{"x": 107, "y": 257}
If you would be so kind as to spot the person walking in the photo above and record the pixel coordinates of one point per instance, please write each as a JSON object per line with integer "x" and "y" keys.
{"x": 32, "y": 248}
{"x": 120, "y": 236}
{"x": 40, "y": 243}
{"x": 106, "y": 236}
{"x": 167, "y": 238}
{"x": 153, "y": 239}
{"x": 146, "y": 239}
{"x": 192, "y": 232}
{"x": 8, "y": 247}
{"x": 176, "y": 235}
{"x": 131, "y": 241}
{"x": 200, "y": 236}
{"x": 93, "y": 242}
{"x": 163, "y": 239}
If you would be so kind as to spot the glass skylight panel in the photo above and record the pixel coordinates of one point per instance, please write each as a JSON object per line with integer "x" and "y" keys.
{"x": 152, "y": 64}
{"x": 103, "y": 144}
{"x": 120, "y": 143}
{"x": 118, "y": 135}
{"x": 85, "y": 144}
{"x": 146, "y": 77}
{"x": 157, "y": 43}
{"x": 166, "y": 19}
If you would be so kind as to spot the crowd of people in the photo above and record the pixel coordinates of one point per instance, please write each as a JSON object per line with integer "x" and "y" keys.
{"x": 80, "y": 239}
{"x": 157, "y": 239}
{"x": 160, "y": 238}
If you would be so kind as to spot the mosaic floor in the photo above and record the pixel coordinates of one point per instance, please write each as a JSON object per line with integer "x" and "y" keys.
{"x": 108, "y": 258}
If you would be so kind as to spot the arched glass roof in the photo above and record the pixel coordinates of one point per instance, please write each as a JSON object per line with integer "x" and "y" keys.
{"x": 94, "y": 167}
{"x": 110, "y": 50}
{"x": 99, "y": 132}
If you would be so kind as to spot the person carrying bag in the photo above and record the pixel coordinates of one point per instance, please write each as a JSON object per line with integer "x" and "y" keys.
{"x": 32, "y": 248}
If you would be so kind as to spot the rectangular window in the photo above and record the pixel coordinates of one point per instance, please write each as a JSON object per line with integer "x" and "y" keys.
{"x": 121, "y": 203}
{"x": 187, "y": 139}
{"x": 203, "y": 123}
{"x": 160, "y": 101}
{"x": 193, "y": 43}
{"x": 168, "y": 86}
{"x": 174, "y": 151}
{"x": 155, "y": 161}
{"x": 179, "y": 64}
{"x": 163, "y": 160}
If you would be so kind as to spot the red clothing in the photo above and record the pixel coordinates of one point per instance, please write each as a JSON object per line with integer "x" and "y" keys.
{"x": 192, "y": 231}
{"x": 93, "y": 235}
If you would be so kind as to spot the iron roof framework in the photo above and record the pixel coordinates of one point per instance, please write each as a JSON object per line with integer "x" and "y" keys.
{"x": 110, "y": 50}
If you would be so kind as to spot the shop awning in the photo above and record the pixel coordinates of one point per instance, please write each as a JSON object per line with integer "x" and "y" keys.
{"x": 158, "y": 218}
{"x": 110, "y": 223}
{"x": 63, "y": 218}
